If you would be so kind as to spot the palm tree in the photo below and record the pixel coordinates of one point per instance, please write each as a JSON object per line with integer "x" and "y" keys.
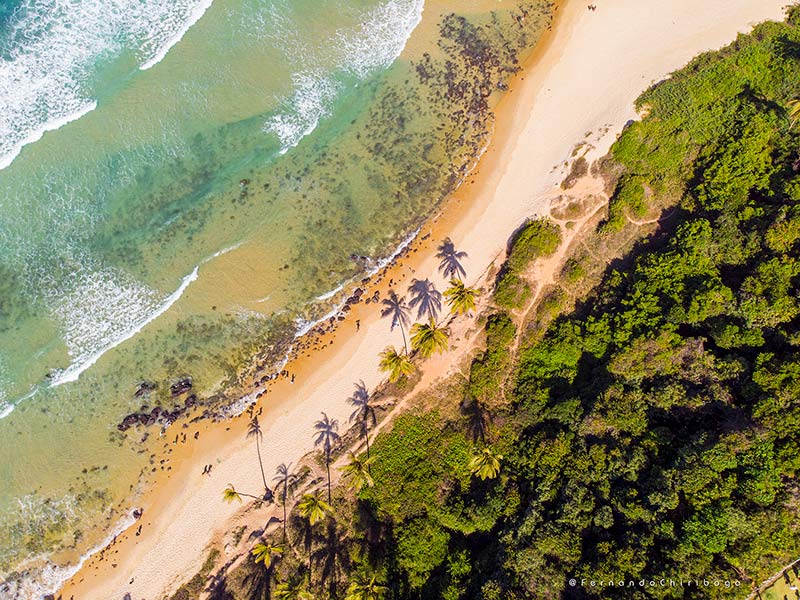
{"x": 428, "y": 339}
{"x": 313, "y": 508}
{"x": 397, "y": 365}
{"x": 254, "y": 430}
{"x": 327, "y": 435}
{"x": 485, "y": 464}
{"x": 229, "y": 494}
{"x": 364, "y": 411}
{"x": 460, "y": 298}
{"x": 266, "y": 553}
{"x": 286, "y": 478}
{"x": 293, "y": 590}
{"x": 396, "y": 308}
{"x": 358, "y": 471}
{"x": 794, "y": 111}
{"x": 450, "y": 265}
{"x": 426, "y": 297}
{"x": 366, "y": 589}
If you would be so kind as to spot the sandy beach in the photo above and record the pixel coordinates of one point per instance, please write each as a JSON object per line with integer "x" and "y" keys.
{"x": 579, "y": 86}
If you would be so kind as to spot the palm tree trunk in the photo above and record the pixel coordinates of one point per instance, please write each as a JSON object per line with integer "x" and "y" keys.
{"x": 260, "y": 464}
{"x": 403, "y": 331}
{"x": 254, "y": 497}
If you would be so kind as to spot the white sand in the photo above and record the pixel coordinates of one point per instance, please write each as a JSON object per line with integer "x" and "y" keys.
{"x": 594, "y": 66}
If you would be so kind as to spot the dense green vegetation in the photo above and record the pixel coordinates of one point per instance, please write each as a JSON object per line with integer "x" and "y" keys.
{"x": 536, "y": 239}
{"x": 653, "y": 432}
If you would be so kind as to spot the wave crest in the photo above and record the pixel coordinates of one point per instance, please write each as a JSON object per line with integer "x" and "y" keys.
{"x": 50, "y": 54}
{"x": 377, "y": 40}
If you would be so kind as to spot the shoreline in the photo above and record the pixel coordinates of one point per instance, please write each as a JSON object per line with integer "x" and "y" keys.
{"x": 534, "y": 132}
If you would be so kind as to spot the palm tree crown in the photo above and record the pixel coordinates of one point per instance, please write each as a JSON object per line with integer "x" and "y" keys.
{"x": 485, "y": 464}
{"x": 397, "y": 365}
{"x": 327, "y": 435}
{"x": 266, "y": 553}
{"x": 357, "y": 470}
{"x": 366, "y": 589}
{"x": 295, "y": 590}
{"x": 428, "y": 339}
{"x": 427, "y": 299}
{"x": 450, "y": 265}
{"x": 460, "y": 298}
{"x": 229, "y": 494}
{"x": 398, "y": 310}
{"x": 313, "y": 508}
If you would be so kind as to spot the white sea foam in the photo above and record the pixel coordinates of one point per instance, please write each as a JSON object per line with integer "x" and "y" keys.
{"x": 377, "y": 40}
{"x": 48, "y": 579}
{"x": 6, "y": 408}
{"x": 36, "y": 134}
{"x": 52, "y": 49}
{"x": 302, "y": 113}
{"x": 106, "y": 309}
{"x": 304, "y": 326}
{"x": 198, "y": 12}
{"x": 330, "y": 294}
{"x": 383, "y": 262}
{"x": 382, "y": 37}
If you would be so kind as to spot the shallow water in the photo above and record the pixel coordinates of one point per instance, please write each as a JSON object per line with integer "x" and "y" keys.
{"x": 189, "y": 219}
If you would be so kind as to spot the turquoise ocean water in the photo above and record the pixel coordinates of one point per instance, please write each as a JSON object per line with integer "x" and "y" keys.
{"x": 179, "y": 181}
{"x": 124, "y": 125}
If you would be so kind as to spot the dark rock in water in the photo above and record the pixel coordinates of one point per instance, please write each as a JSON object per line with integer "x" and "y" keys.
{"x": 128, "y": 422}
{"x": 145, "y": 387}
{"x": 180, "y": 387}
{"x": 157, "y": 414}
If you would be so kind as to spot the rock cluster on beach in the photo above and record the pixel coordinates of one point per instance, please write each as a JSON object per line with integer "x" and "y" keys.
{"x": 413, "y": 146}
{"x": 150, "y": 416}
